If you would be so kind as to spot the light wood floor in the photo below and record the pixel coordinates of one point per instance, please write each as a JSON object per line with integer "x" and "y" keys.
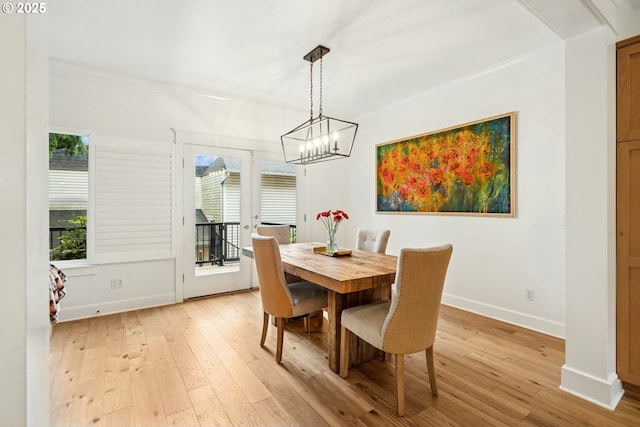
{"x": 200, "y": 364}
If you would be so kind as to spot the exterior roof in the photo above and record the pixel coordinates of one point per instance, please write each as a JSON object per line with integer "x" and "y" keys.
{"x": 60, "y": 161}
{"x": 201, "y": 217}
{"x": 217, "y": 165}
{"x": 273, "y": 167}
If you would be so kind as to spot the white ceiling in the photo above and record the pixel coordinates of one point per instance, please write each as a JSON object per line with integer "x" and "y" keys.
{"x": 381, "y": 51}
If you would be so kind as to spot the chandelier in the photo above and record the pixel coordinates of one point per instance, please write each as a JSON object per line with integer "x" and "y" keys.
{"x": 320, "y": 138}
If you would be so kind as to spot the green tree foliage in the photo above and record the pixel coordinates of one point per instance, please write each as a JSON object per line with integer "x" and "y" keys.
{"x": 72, "y": 144}
{"x": 73, "y": 244}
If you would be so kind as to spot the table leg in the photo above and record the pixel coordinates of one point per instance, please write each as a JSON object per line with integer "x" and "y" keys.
{"x": 359, "y": 350}
{"x": 334, "y": 311}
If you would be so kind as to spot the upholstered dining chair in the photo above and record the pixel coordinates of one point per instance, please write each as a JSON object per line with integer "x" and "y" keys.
{"x": 407, "y": 323}
{"x": 282, "y": 233}
{"x": 372, "y": 239}
{"x": 280, "y": 299}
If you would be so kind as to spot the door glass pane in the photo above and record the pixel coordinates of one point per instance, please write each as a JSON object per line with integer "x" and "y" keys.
{"x": 217, "y": 210}
{"x": 278, "y": 194}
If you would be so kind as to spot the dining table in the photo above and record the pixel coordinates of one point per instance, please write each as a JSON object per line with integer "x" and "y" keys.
{"x": 352, "y": 277}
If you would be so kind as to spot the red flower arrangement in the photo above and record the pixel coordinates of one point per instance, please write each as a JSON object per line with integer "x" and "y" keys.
{"x": 332, "y": 219}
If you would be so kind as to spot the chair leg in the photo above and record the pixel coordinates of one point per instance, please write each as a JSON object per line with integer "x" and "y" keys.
{"x": 400, "y": 383}
{"x": 307, "y": 323}
{"x": 344, "y": 352}
{"x": 431, "y": 370}
{"x": 265, "y": 326}
{"x": 280, "y": 326}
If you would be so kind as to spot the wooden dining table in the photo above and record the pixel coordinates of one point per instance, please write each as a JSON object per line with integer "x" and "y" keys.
{"x": 355, "y": 279}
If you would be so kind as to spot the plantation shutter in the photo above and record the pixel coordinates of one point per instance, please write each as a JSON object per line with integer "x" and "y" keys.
{"x": 278, "y": 199}
{"x": 133, "y": 210}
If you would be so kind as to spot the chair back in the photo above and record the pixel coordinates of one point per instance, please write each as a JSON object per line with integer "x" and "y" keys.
{"x": 274, "y": 292}
{"x": 410, "y": 325}
{"x": 372, "y": 239}
{"x": 282, "y": 233}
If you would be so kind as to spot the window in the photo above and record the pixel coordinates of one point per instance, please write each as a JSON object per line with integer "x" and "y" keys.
{"x": 68, "y": 195}
{"x": 111, "y": 203}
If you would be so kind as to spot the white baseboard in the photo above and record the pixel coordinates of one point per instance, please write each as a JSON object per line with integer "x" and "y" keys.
{"x": 538, "y": 324}
{"x": 606, "y": 393}
{"x": 111, "y": 307}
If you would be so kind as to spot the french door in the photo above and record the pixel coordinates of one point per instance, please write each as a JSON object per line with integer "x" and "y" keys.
{"x": 227, "y": 193}
{"x": 217, "y": 220}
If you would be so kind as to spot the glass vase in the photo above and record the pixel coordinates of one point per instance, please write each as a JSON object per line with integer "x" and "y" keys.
{"x": 332, "y": 246}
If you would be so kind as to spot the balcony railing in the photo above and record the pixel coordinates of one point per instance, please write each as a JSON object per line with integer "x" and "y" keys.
{"x": 217, "y": 242}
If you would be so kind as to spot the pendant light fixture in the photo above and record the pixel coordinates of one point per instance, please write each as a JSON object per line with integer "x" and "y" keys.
{"x": 320, "y": 138}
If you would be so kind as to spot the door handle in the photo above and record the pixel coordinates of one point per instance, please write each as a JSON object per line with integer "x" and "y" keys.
{"x": 246, "y": 227}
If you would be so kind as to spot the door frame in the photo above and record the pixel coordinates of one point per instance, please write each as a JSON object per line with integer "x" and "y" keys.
{"x": 227, "y": 282}
{"x": 214, "y": 142}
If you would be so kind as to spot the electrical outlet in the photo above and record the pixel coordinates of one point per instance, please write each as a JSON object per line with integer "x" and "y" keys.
{"x": 529, "y": 295}
{"x": 116, "y": 283}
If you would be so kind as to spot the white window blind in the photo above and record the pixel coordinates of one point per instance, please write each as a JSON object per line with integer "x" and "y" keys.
{"x": 278, "y": 199}
{"x": 132, "y": 200}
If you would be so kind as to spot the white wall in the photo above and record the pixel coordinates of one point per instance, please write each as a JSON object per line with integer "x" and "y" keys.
{"x": 494, "y": 259}
{"x": 136, "y": 109}
{"x": 23, "y": 185}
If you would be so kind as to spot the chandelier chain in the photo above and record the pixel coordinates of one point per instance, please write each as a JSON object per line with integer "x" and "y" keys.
{"x": 311, "y": 89}
{"x": 320, "y": 110}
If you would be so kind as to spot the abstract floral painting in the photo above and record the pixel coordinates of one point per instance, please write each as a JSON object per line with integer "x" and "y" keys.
{"x": 466, "y": 170}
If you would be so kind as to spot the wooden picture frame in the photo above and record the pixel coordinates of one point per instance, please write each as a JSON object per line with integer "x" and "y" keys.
{"x": 468, "y": 169}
